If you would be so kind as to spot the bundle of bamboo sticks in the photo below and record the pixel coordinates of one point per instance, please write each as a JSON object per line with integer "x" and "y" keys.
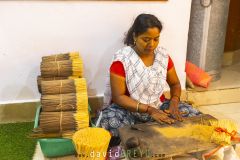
{"x": 64, "y": 102}
{"x": 63, "y": 68}
{"x": 62, "y": 65}
{"x": 91, "y": 143}
{"x": 54, "y": 122}
{"x": 59, "y": 122}
{"x": 61, "y": 57}
{"x": 64, "y": 97}
{"x": 40, "y": 79}
{"x": 64, "y": 86}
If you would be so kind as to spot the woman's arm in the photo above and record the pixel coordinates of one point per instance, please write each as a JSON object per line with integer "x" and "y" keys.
{"x": 118, "y": 87}
{"x": 175, "y": 92}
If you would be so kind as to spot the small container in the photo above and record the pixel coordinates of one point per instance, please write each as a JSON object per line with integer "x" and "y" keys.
{"x": 54, "y": 147}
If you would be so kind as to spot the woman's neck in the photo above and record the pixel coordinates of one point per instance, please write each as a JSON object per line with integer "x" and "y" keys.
{"x": 147, "y": 59}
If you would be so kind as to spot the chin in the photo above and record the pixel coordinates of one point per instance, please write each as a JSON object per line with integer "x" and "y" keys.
{"x": 148, "y": 52}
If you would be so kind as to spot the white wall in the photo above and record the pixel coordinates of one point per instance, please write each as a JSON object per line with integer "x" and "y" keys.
{"x": 30, "y": 30}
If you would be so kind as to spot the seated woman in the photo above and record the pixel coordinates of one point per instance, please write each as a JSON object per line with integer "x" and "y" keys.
{"x": 138, "y": 73}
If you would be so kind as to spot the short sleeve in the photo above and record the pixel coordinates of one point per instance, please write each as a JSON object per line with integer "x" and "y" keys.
{"x": 170, "y": 63}
{"x": 117, "y": 68}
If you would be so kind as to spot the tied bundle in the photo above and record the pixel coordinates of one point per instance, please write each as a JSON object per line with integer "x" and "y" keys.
{"x": 91, "y": 143}
{"x": 224, "y": 132}
{"x": 63, "y": 68}
{"x": 65, "y": 102}
{"x": 64, "y": 86}
{"x": 64, "y": 97}
{"x": 62, "y": 122}
{"x": 40, "y": 79}
{"x": 61, "y": 57}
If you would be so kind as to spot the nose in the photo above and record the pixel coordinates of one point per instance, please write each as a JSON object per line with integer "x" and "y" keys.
{"x": 151, "y": 43}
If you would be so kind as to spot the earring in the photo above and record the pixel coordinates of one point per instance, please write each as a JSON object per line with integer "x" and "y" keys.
{"x": 134, "y": 42}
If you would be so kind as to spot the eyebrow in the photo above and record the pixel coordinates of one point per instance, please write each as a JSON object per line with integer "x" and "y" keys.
{"x": 150, "y": 37}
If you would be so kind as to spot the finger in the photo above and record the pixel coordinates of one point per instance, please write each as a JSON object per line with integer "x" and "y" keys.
{"x": 179, "y": 117}
{"x": 173, "y": 121}
{"x": 166, "y": 111}
{"x": 162, "y": 119}
{"x": 159, "y": 121}
{"x": 167, "y": 114}
{"x": 176, "y": 115}
{"x": 168, "y": 120}
{"x": 183, "y": 112}
{"x": 173, "y": 114}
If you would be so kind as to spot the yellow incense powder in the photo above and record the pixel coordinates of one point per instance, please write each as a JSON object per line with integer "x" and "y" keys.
{"x": 197, "y": 131}
{"x": 220, "y": 131}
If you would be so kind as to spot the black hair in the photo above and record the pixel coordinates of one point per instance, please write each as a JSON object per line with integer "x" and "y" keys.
{"x": 140, "y": 25}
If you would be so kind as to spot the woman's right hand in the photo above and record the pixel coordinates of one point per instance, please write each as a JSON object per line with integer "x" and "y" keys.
{"x": 159, "y": 116}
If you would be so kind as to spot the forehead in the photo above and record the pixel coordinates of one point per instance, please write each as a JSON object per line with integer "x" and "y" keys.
{"x": 151, "y": 32}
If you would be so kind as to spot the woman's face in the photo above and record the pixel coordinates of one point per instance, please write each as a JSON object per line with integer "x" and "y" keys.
{"x": 147, "y": 41}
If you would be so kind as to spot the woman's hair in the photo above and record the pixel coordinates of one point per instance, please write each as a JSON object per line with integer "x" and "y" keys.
{"x": 140, "y": 25}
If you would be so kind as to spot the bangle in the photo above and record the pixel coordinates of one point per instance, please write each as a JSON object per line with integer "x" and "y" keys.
{"x": 176, "y": 96}
{"x": 138, "y": 106}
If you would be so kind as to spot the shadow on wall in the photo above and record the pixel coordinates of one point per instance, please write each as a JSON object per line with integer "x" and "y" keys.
{"x": 103, "y": 67}
{"x": 87, "y": 73}
{"x": 23, "y": 111}
{"x": 28, "y": 90}
{"x": 95, "y": 100}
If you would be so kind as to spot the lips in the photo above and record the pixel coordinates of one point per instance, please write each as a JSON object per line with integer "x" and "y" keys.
{"x": 148, "y": 50}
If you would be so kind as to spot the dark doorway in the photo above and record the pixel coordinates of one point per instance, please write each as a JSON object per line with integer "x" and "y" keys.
{"x": 232, "y": 41}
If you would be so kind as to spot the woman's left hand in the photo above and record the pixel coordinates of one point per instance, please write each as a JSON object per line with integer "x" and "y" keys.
{"x": 174, "y": 110}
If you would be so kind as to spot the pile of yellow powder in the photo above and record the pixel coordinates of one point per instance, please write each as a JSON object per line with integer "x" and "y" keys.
{"x": 197, "y": 131}
{"x": 201, "y": 132}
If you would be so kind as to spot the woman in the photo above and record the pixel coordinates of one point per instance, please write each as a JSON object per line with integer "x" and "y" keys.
{"x": 138, "y": 73}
